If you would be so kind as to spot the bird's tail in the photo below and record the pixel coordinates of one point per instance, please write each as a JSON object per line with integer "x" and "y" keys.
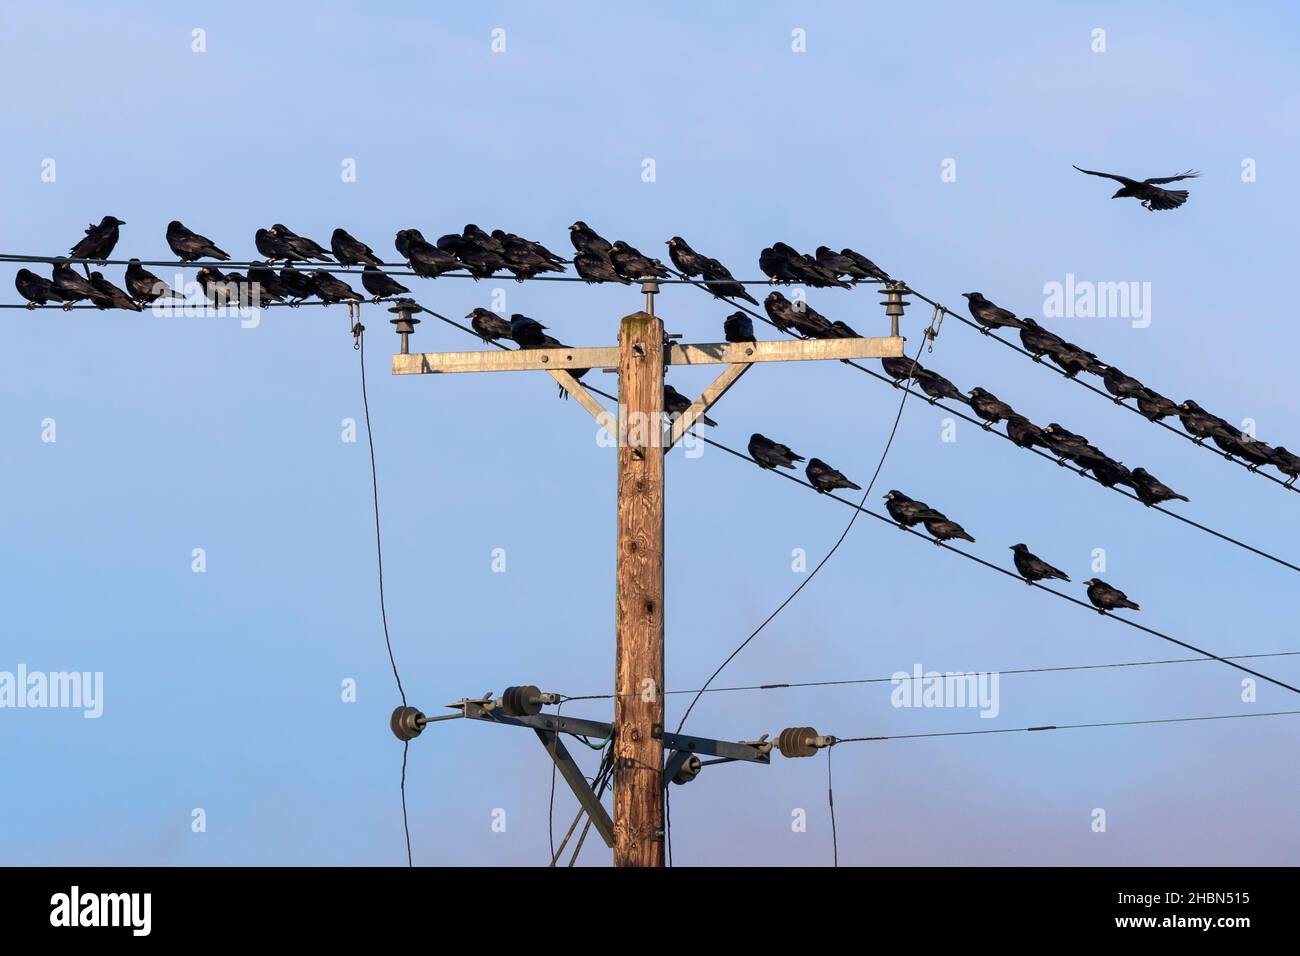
{"x": 965, "y": 537}
{"x": 1182, "y": 497}
{"x": 219, "y": 255}
{"x": 849, "y": 484}
{"x": 1130, "y": 604}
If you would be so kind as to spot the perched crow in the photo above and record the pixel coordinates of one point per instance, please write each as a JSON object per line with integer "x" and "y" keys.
{"x": 688, "y": 262}
{"x": 1155, "y": 406}
{"x": 37, "y": 290}
{"x": 1151, "y": 490}
{"x": 1033, "y": 568}
{"x": 540, "y": 340}
{"x": 523, "y": 258}
{"x": 488, "y": 325}
{"x": 675, "y": 403}
{"x": 98, "y": 242}
{"x": 738, "y": 327}
{"x": 719, "y": 280}
{"x": 1062, "y": 442}
{"x": 273, "y": 247}
{"x": 1198, "y": 422}
{"x": 769, "y": 454}
{"x": 481, "y": 260}
{"x": 989, "y": 315}
{"x": 484, "y": 240}
{"x": 908, "y": 512}
{"x": 331, "y": 289}
{"x": 1148, "y": 190}
{"x": 1038, "y": 340}
{"x": 1106, "y": 598}
{"x": 402, "y": 241}
{"x": 239, "y": 288}
{"x": 989, "y": 407}
{"x": 1104, "y": 468}
{"x": 798, "y": 315}
{"x": 777, "y": 265}
{"x": 843, "y": 330}
{"x": 380, "y": 284}
{"x": 825, "y": 478}
{"x": 1024, "y": 432}
{"x": 217, "y": 288}
{"x": 1122, "y": 386}
{"x": 1073, "y": 360}
{"x": 304, "y": 248}
{"x": 190, "y": 246}
{"x": 942, "y": 529}
{"x": 144, "y": 286}
{"x": 840, "y": 265}
{"x": 110, "y": 296}
{"x": 1287, "y": 463}
{"x": 597, "y": 267}
{"x": 297, "y": 285}
{"x": 937, "y": 387}
{"x": 899, "y": 367}
{"x": 527, "y": 333}
{"x": 69, "y": 286}
{"x": 351, "y": 251}
{"x": 426, "y": 260}
{"x": 509, "y": 240}
{"x": 807, "y": 269}
{"x": 265, "y": 286}
{"x": 1237, "y": 444}
{"x": 630, "y": 264}
{"x": 866, "y": 265}
{"x": 586, "y": 239}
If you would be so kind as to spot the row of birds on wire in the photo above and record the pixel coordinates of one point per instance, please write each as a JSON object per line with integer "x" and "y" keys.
{"x": 1072, "y": 359}
{"x": 908, "y": 513}
{"x": 475, "y": 251}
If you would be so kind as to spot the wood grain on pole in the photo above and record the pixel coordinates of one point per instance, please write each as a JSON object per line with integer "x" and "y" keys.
{"x": 639, "y": 612}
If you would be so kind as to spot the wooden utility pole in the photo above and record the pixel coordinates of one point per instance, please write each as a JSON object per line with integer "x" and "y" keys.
{"x": 642, "y": 354}
{"x": 639, "y": 602}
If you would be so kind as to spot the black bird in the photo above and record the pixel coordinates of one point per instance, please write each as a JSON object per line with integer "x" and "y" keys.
{"x": 989, "y": 315}
{"x": 1151, "y": 490}
{"x": 1024, "y": 432}
{"x": 98, "y": 242}
{"x": 719, "y": 280}
{"x": 1148, "y": 190}
{"x": 1104, "y": 468}
{"x": 843, "y": 330}
{"x": 809, "y": 270}
{"x": 597, "y": 267}
{"x": 350, "y": 251}
{"x": 484, "y": 240}
{"x": 110, "y": 296}
{"x": 798, "y": 315}
{"x": 586, "y": 239}
{"x": 37, "y": 290}
{"x": 1122, "y": 386}
{"x": 380, "y": 284}
{"x": 825, "y": 478}
{"x": 989, "y": 407}
{"x": 1155, "y": 406}
{"x": 509, "y": 240}
{"x": 688, "y": 262}
{"x": 69, "y": 286}
{"x": 1106, "y": 598}
{"x": 942, "y": 528}
{"x": 190, "y": 246}
{"x": 937, "y": 387}
{"x": 297, "y": 285}
{"x": 426, "y": 259}
{"x": 304, "y": 248}
{"x": 1073, "y": 360}
{"x": 1198, "y": 422}
{"x": 265, "y": 286}
{"x": 841, "y": 265}
{"x": 908, "y": 512}
{"x": 332, "y": 289}
{"x": 866, "y": 265}
{"x": 273, "y": 246}
{"x": 528, "y": 333}
{"x": 738, "y": 327}
{"x": 488, "y": 325}
{"x": 899, "y": 367}
{"x": 1287, "y": 463}
{"x": 143, "y": 286}
{"x": 777, "y": 265}
{"x": 1038, "y": 340}
{"x": 675, "y": 403}
{"x": 240, "y": 289}
{"x": 523, "y": 258}
{"x": 480, "y": 261}
{"x": 1063, "y": 442}
{"x": 630, "y": 264}
{"x": 545, "y": 341}
{"x": 1238, "y": 444}
{"x": 769, "y": 454}
{"x": 402, "y": 241}
{"x": 1033, "y": 568}
{"x": 217, "y": 288}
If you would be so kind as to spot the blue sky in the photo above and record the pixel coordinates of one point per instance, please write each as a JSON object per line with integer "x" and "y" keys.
{"x": 222, "y": 689}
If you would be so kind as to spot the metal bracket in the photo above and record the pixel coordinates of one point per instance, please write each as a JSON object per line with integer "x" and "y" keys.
{"x": 577, "y": 782}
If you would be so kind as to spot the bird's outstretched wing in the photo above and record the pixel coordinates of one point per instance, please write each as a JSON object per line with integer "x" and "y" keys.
{"x": 1119, "y": 179}
{"x": 1190, "y": 174}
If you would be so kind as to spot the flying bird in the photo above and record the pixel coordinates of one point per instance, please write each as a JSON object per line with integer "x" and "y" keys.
{"x": 98, "y": 242}
{"x": 1106, "y": 598}
{"x": 1033, "y": 568}
{"x": 1151, "y": 490}
{"x": 990, "y": 316}
{"x": 825, "y": 478}
{"x": 143, "y": 286}
{"x": 350, "y": 251}
{"x": 37, "y": 290}
{"x": 675, "y": 403}
{"x": 769, "y": 454}
{"x": 738, "y": 327}
{"x": 488, "y": 325}
{"x": 190, "y": 246}
{"x": 380, "y": 284}
{"x": 989, "y": 407}
{"x": 1148, "y": 190}
{"x": 908, "y": 512}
